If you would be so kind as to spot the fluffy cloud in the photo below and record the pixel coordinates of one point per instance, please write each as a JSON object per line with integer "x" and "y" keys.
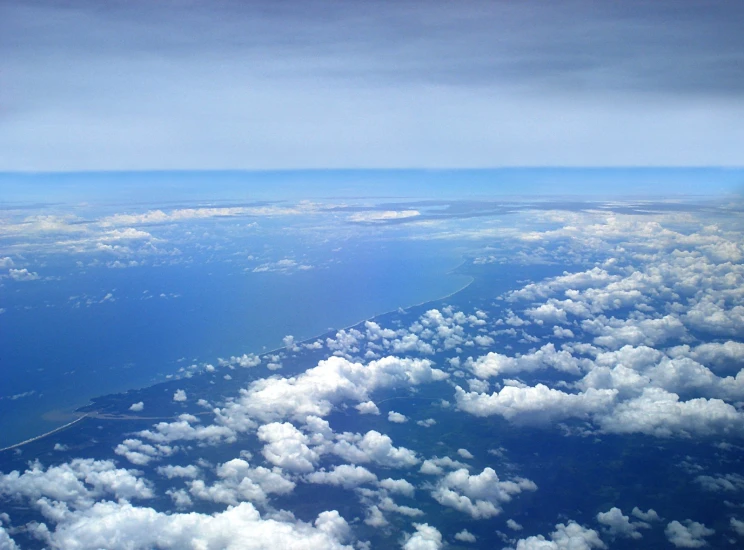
{"x": 513, "y": 525}
{"x": 238, "y": 482}
{"x": 571, "y": 536}
{"x": 691, "y": 534}
{"x": 140, "y": 453}
{"x": 368, "y": 407}
{"x": 172, "y": 471}
{"x": 536, "y": 404}
{"x": 315, "y": 391}
{"x": 660, "y": 413}
{"x": 137, "y": 407}
{"x": 724, "y": 483}
{"x": 435, "y": 466}
{"x": 374, "y": 447}
{"x": 710, "y": 315}
{"x": 464, "y": 453}
{"x": 496, "y": 364}
{"x": 595, "y": 277}
{"x": 720, "y": 357}
{"x": 345, "y": 475}
{"x": 247, "y": 360}
{"x": 426, "y": 537}
{"x": 397, "y": 418}
{"x": 400, "y": 486}
{"x": 6, "y": 543}
{"x": 387, "y": 504}
{"x": 78, "y": 483}
{"x": 22, "y": 275}
{"x": 182, "y": 429}
{"x": 123, "y": 526}
{"x": 465, "y": 536}
{"x": 614, "y": 333}
{"x": 479, "y": 495}
{"x": 650, "y": 515}
{"x": 179, "y": 396}
{"x": 618, "y": 524}
{"x": 286, "y": 447}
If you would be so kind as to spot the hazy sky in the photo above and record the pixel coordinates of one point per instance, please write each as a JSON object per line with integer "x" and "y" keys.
{"x": 320, "y": 84}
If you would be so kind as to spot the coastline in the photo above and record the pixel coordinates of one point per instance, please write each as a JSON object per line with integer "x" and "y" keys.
{"x": 42, "y": 436}
{"x": 77, "y": 410}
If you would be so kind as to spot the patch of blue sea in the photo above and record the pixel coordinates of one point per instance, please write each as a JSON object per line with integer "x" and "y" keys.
{"x": 60, "y": 356}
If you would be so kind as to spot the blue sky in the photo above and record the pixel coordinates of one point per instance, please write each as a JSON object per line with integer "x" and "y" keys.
{"x": 315, "y": 84}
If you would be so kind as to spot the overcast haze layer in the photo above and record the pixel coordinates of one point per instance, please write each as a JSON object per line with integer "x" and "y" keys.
{"x": 284, "y": 85}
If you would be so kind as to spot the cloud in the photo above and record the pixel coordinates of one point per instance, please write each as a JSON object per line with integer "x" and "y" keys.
{"x": 376, "y": 216}
{"x": 618, "y": 524}
{"x": 182, "y": 429}
{"x": 426, "y": 537}
{"x": 314, "y": 392}
{"x": 137, "y": 407}
{"x": 22, "y": 275}
{"x": 464, "y": 453}
{"x": 513, "y": 525}
{"x": 287, "y": 265}
{"x": 286, "y": 447}
{"x": 387, "y": 504}
{"x": 615, "y": 333}
{"x": 173, "y": 471}
{"x": 479, "y": 495}
{"x": 711, "y": 316}
{"x": 368, "y": 407}
{"x": 595, "y": 277}
{"x": 535, "y": 405}
{"x": 720, "y": 357}
{"x": 78, "y": 483}
{"x": 397, "y": 418}
{"x": 738, "y": 526}
{"x": 345, "y": 475}
{"x": 139, "y": 453}
{"x": 238, "y": 482}
{"x": 7, "y": 543}
{"x": 495, "y": 364}
{"x": 188, "y": 214}
{"x": 374, "y": 447}
{"x": 650, "y": 515}
{"x": 660, "y": 413}
{"x": 436, "y": 465}
{"x": 566, "y": 536}
{"x": 399, "y": 486}
{"x": 179, "y": 396}
{"x": 730, "y": 483}
{"x": 691, "y": 534}
{"x": 122, "y": 525}
{"x": 465, "y": 536}
{"x": 342, "y": 94}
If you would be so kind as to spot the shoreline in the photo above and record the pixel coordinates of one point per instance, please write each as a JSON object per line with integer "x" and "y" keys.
{"x": 263, "y": 354}
{"x": 42, "y": 436}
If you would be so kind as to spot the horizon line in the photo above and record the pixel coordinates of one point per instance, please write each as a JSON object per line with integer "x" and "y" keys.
{"x": 357, "y": 169}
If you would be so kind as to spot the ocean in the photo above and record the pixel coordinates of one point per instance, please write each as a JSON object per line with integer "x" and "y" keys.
{"x": 90, "y": 332}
